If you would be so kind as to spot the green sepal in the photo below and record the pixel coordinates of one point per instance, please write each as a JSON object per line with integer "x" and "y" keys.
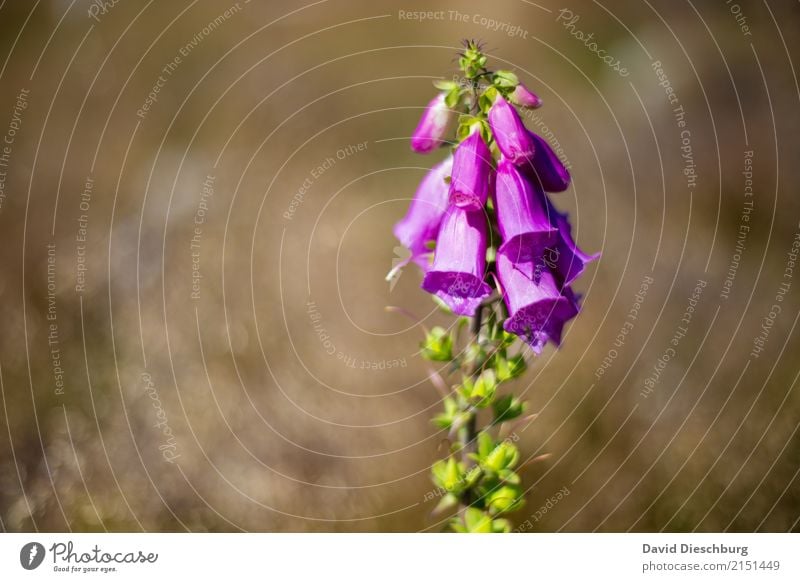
{"x": 504, "y": 499}
{"x": 438, "y": 345}
{"x": 477, "y": 521}
{"x": 504, "y": 456}
{"x": 452, "y": 97}
{"x": 447, "y": 418}
{"x": 487, "y": 99}
{"x": 501, "y": 526}
{"x": 484, "y": 389}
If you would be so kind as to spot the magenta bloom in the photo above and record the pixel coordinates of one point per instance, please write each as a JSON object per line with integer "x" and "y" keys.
{"x": 513, "y": 139}
{"x": 421, "y": 223}
{"x": 522, "y": 219}
{"x": 564, "y": 257}
{"x": 432, "y": 127}
{"x": 545, "y": 169}
{"x": 456, "y": 275}
{"x": 537, "y": 309}
{"x": 469, "y": 187}
{"x": 523, "y": 97}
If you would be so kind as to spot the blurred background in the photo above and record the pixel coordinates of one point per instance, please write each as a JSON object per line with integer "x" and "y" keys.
{"x": 196, "y": 202}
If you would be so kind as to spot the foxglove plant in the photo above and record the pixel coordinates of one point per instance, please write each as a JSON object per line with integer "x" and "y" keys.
{"x": 503, "y": 258}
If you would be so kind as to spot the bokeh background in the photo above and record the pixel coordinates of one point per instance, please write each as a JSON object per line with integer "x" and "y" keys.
{"x": 197, "y": 202}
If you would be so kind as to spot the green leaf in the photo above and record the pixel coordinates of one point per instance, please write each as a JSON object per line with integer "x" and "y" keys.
{"x": 487, "y": 99}
{"x": 485, "y": 445}
{"x": 445, "y": 84}
{"x": 507, "y": 408}
{"x": 453, "y": 97}
{"x": 505, "y": 79}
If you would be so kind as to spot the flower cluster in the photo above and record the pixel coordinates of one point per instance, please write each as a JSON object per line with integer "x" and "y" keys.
{"x": 493, "y": 186}
{"x": 492, "y": 248}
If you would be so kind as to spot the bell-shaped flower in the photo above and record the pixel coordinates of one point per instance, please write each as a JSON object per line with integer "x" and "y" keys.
{"x": 432, "y": 127}
{"x": 524, "y": 97}
{"x": 472, "y": 168}
{"x": 537, "y": 308}
{"x": 512, "y": 137}
{"x": 565, "y": 258}
{"x": 421, "y": 223}
{"x": 456, "y": 276}
{"x": 523, "y": 221}
{"x": 546, "y": 169}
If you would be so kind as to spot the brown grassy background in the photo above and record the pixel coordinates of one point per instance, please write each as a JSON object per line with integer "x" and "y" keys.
{"x": 273, "y": 432}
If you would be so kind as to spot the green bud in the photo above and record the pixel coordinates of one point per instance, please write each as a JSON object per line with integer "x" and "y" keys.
{"x": 510, "y": 369}
{"x": 507, "y": 408}
{"x": 438, "y": 345}
{"x": 477, "y": 521}
{"x": 484, "y": 388}
{"x": 504, "y": 499}
{"x": 503, "y": 456}
{"x": 501, "y": 526}
{"x": 449, "y": 475}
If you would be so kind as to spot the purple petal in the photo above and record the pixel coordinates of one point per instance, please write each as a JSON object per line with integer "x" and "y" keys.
{"x": 546, "y": 169}
{"x": 421, "y": 222}
{"x": 524, "y": 97}
{"x": 565, "y": 258}
{"x": 523, "y": 221}
{"x": 456, "y": 275}
{"x": 537, "y": 309}
{"x": 432, "y": 127}
{"x": 469, "y": 187}
{"x": 512, "y": 137}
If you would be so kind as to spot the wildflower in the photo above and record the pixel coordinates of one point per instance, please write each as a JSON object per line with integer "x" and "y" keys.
{"x": 566, "y": 259}
{"x": 469, "y": 187}
{"x": 421, "y": 223}
{"x": 432, "y": 127}
{"x": 537, "y": 308}
{"x": 546, "y": 169}
{"x": 521, "y": 218}
{"x": 512, "y": 138}
{"x": 456, "y": 276}
{"x": 523, "y": 97}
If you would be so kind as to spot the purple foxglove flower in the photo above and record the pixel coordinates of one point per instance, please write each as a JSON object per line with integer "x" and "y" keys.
{"x": 456, "y": 275}
{"x": 537, "y": 309}
{"x": 524, "y": 97}
{"x": 472, "y": 169}
{"x": 545, "y": 169}
{"x": 512, "y": 137}
{"x": 432, "y": 127}
{"x": 523, "y": 221}
{"x": 421, "y": 222}
{"x": 564, "y": 257}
